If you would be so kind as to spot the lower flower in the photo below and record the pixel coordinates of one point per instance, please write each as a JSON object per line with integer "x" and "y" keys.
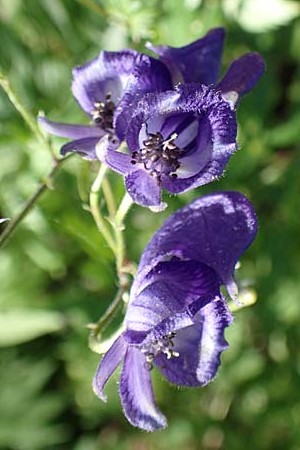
{"x": 176, "y": 317}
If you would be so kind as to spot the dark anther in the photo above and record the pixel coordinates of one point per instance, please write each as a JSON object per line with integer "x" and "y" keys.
{"x": 158, "y": 156}
{"x": 103, "y": 113}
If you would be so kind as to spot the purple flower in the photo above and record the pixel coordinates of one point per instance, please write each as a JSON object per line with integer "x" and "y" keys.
{"x": 200, "y": 62}
{"x": 183, "y": 138}
{"x": 99, "y": 87}
{"x": 176, "y": 315}
{"x": 178, "y": 139}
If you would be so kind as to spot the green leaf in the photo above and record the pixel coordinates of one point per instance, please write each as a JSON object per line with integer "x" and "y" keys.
{"x": 18, "y": 326}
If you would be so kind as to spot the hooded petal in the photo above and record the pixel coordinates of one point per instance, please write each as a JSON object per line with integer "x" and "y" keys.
{"x": 137, "y": 394}
{"x": 152, "y": 110}
{"x": 197, "y": 62}
{"x": 85, "y": 147}
{"x": 215, "y": 229}
{"x": 150, "y": 75}
{"x": 214, "y": 318}
{"x": 108, "y": 365}
{"x": 212, "y": 150}
{"x": 204, "y": 123}
{"x": 243, "y": 74}
{"x": 68, "y": 130}
{"x": 106, "y": 74}
{"x": 144, "y": 189}
{"x": 166, "y": 290}
{"x": 198, "y": 346}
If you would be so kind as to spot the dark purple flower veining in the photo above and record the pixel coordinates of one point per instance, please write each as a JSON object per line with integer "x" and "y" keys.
{"x": 176, "y": 316}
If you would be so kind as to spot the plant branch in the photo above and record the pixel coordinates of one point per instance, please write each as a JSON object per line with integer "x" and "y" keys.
{"x": 119, "y": 228}
{"x": 101, "y": 223}
{"x": 98, "y": 327}
{"x": 12, "y": 225}
{"x": 109, "y": 198}
{"x": 28, "y": 118}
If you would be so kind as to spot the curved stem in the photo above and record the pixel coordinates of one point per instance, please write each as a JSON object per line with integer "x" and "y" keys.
{"x": 109, "y": 198}
{"x": 12, "y": 225}
{"x": 123, "y": 209}
{"x": 102, "y": 225}
{"x": 98, "y": 327}
{"x": 28, "y": 119}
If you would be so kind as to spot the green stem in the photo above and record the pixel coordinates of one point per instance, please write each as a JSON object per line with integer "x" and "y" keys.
{"x": 94, "y": 208}
{"x": 104, "y": 321}
{"x": 28, "y": 119}
{"x": 119, "y": 227}
{"x": 123, "y": 269}
{"x": 12, "y": 225}
{"x": 109, "y": 198}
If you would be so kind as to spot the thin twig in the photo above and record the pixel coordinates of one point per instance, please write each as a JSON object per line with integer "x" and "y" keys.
{"x": 12, "y": 225}
{"x": 109, "y": 198}
{"x": 100, "y": 221}
{"x": 28, "y": 118}
{"x": 119, "y": 227}
{"x": 98, "y": 327}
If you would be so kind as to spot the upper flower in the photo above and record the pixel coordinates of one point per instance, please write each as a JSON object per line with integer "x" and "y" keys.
{"x": 99, "y": 87}
{"x": 183, "y": 138}
{"x": 176, "y": 315}
{"x": 178, "y": 139}
{"x": 177, "y": 119}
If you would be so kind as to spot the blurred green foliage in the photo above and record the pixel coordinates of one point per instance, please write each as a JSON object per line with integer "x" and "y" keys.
{"x": 57, "y": 273}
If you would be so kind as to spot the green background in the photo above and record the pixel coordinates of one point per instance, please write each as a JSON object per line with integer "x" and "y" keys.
{"x": 57, "y": 274}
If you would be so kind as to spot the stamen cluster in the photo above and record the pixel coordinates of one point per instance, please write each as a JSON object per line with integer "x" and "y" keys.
{"x": 162, "y": 345}
{"x": 158, "y": 156}
{"x": 103, "y": 113}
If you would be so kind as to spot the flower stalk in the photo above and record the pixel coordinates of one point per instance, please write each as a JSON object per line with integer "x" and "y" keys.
{"x": 30, "y": 203}
{"x": 27, "y": 117}
{"x": 56, "y": 162}
{"x": 116, "y": 242}
{"x": 100, "y": 221}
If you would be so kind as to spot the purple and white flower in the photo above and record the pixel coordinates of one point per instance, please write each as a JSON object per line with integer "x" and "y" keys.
{"x": 179, "y": 140}
{"x": 99, "y": 86}
{"x": 176, "y": 315}
{"x": 183, "y": 138}
{"x": 179, "y": 136}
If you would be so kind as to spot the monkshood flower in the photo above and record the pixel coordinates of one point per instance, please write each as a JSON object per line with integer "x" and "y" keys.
{"x": 183, "y": 138}
{"x": 98, "y": 87}
{"x": 176, "y": 315}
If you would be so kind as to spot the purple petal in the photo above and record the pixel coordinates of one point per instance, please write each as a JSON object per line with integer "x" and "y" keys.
{"x": 199, "y": 347}
{"x": 155, "y": 108}
{"x": 181, "y": 111}
{"x": 214, "y": 318}
{"x": 168, "y": 289}
{"x": 107, "y": 153}
{"x": 243, "y": 74}
{"x": 106, "y": 74}
{"x": 108, "y": 365}
{"x": 215, "y": 229}
{"x": 193, "y": 163}
{"x": 210, "y": 172}
{"x": 68, "y": 130}
{"x": 150, "y": 75}
{"x": 137, "y": 394}
{"x": 85, "y": 147}
{"x": 197, "y": 62}
{"x": 144, "y": 189}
